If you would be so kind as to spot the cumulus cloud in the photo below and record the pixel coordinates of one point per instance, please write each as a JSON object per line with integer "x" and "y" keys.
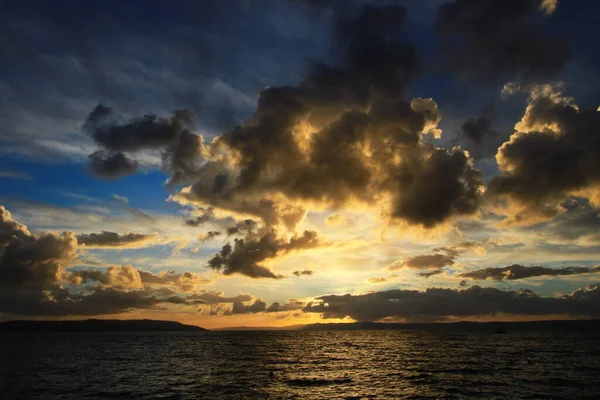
{"x": 495, "y": 39}
{"x": 516, "y": 271}
{"x": 106, "y": 239}
{"x": 117, "y": 276}
{"x": 553, "y": 154}
{"x": 241, "y": 308}
{"x": 246, "y": 255}
{"x": 117, "y": 135}
{"x": 346, "y": 134}
{"x": 32, "y": 261}
{"x": 440, "y": 304}
{"x": 127, "y": 276}
{"x": 33, "y": 269}
{"x": 9, "y": 228}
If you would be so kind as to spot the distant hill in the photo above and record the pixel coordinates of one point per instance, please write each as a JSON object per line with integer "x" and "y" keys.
{"x": 97, "y": 325}
{"x": 554, "y": 326}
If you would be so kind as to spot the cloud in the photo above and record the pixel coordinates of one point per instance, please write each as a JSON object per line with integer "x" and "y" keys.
{"x": 246, "y": 226}
{"x": 289, "y": 305}
{"x": 428, "y": 261}
{"x": 59, "y": 302}
{"x": 16, "y": 175}
{"x": 33, "y": 269}
{"x": 338, "y": 220}
{"x": 185, "y": 281}
{"x": 117, "y": 135}
{"x": 444, "y": 257}
{"x": 211, "y": 297}
{"x": 553, "y": 154}
{"x": 477, "y": 129}
{"x": 10, "y": 229}
{"x": 127, "y": 276}
{"x": 303, "y": 272}
{"x": 114, "y": 276}
{"x": 441, "y": 304}
{"x": 111, "y": 165}
{"x": 344, "y": 135}
{"x": 208, "y": 235}
{"x": 241, "y": 308}
{"x": 247, "y": 254}
{"x": 32, "y": 261}
{"x": 517, "y": 271}
{"x": 378, "y": 279}
{"x": 496, "y": 39}
{"x": 206, "y": 215}
{"x": 106, "y": 239}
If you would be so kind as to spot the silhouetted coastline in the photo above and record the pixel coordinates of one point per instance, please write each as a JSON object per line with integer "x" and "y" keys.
{"x": 97, "y": 325}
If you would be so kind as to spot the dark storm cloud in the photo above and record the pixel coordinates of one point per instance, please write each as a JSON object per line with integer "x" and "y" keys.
{"x": 516, "y": 271}
{"x": 111, "y": 165}
{"x": 558, "y": 152}
{"x": 358, "y": 103}
{"x": 246, "y": 255}
{"x": 303, "y": 272}
{"x": 500, "y": 39}
{"x": 441, "y": 304}
{"x": 116, "y": 133}
{"x": 113, "y": 239}
{"x": 477, "y": 129}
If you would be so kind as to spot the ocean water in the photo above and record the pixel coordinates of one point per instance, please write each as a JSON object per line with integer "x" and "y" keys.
{"x": 299, "y": 365}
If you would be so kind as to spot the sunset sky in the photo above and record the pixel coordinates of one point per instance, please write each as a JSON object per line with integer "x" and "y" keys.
{"x": 282, "y": 162}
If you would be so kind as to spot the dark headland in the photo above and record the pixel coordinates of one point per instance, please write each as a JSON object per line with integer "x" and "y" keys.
{"x": 98, "y": 325}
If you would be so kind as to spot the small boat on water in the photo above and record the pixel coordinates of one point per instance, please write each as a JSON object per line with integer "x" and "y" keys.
{"x": 499, "y": 330}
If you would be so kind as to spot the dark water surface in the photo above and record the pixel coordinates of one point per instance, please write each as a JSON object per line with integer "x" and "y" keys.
{"x": 299, "y": 365}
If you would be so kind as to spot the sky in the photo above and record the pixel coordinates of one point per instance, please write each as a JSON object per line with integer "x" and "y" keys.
{"x": 283, "y": 162}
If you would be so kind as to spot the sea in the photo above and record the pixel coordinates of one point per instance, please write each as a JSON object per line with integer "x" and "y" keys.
{"x": 300, "y": 365}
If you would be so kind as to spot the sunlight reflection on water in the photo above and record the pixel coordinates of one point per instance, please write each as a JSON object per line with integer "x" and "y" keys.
{"x": 298, "y": 365}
